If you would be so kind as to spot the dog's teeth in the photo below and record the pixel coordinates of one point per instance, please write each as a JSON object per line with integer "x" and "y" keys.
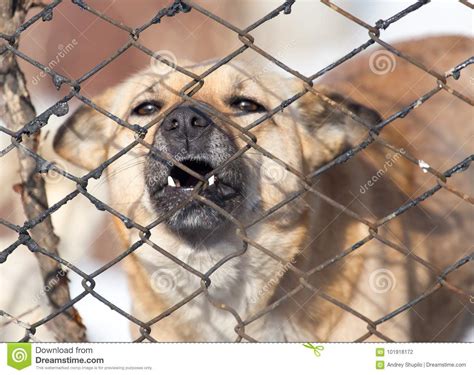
{"x": 171, "y": 181}
{"x": 211, "y": 180}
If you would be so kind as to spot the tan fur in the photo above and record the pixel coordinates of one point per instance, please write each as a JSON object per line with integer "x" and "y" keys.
{"x": 307, "y": 231}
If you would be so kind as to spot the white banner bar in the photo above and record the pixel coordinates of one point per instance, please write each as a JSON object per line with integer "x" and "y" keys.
{"x": 146, "y": 358}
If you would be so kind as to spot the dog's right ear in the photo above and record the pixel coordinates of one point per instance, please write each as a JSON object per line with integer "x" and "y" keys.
{"x": 327, "y": 131}
{"x": 85, "y": 136}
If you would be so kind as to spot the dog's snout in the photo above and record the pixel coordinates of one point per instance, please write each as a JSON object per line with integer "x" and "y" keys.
{"x": 185, "y": 122}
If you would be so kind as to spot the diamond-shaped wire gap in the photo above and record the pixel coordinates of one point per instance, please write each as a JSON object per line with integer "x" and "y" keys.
{"x": 84, "y": 239}
{"x": 97, "y": 37}
{"x": 110, "y": 292}
{"x": 154, "y": 323}
{"x": 56, "y": 51}
{"x": 117, "y": 51}
{"x": 295, "y": 49}
{"x": 144, "y": 27}
{"x": 189, "y": 30}
{"x": 66, "y": 46}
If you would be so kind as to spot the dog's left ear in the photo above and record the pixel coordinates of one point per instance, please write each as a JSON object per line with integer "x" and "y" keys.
{"x": 85, "y": 136}
{"x": 326, "y": 130}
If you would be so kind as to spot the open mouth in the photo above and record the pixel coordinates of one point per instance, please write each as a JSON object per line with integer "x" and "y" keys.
{"x": 181, "y": 179}
{"x": 170, "y": 187}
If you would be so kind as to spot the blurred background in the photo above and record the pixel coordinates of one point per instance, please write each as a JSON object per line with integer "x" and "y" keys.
{"x": 74, "y": 41}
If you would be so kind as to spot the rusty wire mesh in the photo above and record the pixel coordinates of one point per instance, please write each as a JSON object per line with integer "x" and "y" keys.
{"x": 186, "y": 94}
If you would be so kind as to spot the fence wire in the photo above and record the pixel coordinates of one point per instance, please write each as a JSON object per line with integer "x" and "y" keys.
{"x": 186, "y": 95}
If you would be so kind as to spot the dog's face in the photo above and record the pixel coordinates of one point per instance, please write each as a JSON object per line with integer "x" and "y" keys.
{"x": 202, "y": 144}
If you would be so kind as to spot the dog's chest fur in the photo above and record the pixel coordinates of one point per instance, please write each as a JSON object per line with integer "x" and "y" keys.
{"x": 236, "y": 286}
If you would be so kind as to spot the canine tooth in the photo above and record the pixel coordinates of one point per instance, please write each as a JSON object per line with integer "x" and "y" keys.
{"x": 171, "y": 181}
{"x": 211, "y": 180}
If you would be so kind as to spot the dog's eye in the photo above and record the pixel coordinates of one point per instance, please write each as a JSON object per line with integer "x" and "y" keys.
{"x": 246, "y": 105}
{"x": 146, "y": 109}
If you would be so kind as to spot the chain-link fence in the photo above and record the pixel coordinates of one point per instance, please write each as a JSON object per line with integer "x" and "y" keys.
{"x": 36, "y": 232}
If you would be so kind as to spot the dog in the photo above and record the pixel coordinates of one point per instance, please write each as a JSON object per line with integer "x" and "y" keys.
{"x": 223, "y": 264}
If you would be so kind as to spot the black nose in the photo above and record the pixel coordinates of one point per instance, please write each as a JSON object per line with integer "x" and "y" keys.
{"x": 185, "y": 122}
